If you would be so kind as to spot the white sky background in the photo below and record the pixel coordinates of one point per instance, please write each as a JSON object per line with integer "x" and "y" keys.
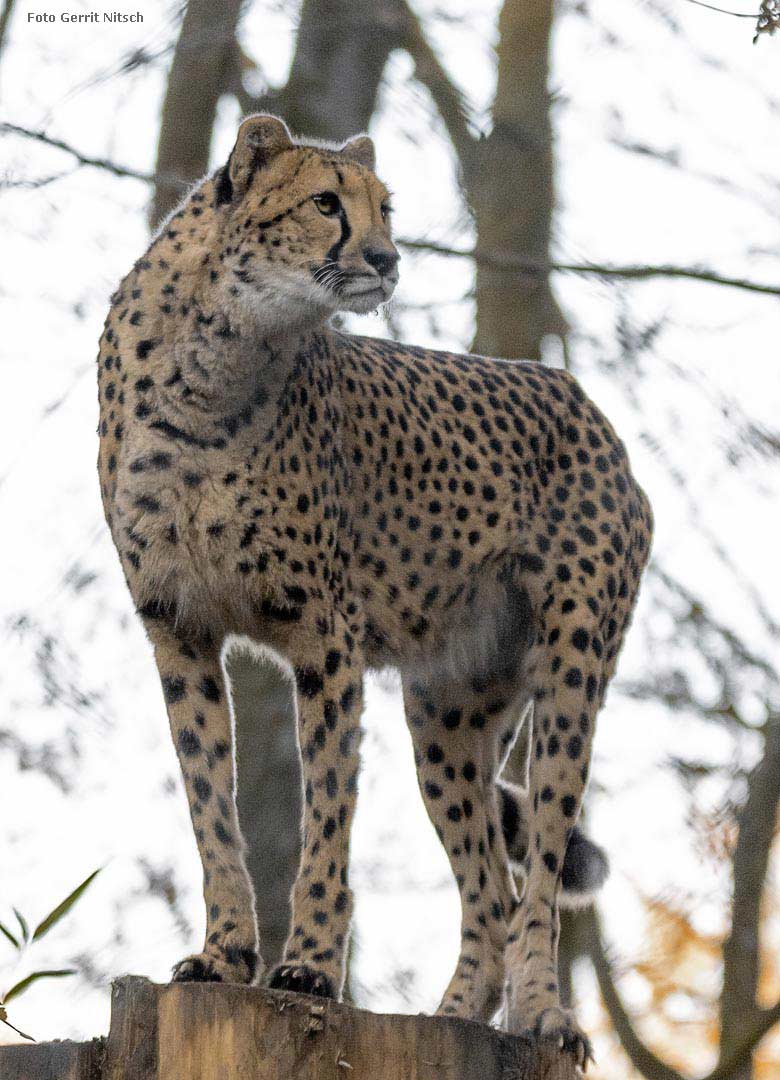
{"x": 706, "y": 99}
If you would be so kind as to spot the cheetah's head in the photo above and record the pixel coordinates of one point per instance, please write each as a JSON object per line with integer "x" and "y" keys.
{"x": 307, "y": 226}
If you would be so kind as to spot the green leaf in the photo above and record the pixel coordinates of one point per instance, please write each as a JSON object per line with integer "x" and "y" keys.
{"x": 9, "y": 935}
{"x": 62, "y": 909}
{"x": 20, "y": 987}
{"x": 23, "y": 923}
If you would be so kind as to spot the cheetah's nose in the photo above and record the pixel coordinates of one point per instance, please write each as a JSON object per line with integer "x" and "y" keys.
{"x": 383, "y": 259}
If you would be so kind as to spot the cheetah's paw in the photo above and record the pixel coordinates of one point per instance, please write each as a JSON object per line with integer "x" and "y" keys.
{"x": 559, "y": 1027}
{"x": 302, "y": 980}
{"x": 236, "y": 965}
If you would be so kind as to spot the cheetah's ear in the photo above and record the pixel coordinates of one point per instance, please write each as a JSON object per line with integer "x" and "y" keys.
{"x": 361, "y": 150}
{"x": 260, "y": 138}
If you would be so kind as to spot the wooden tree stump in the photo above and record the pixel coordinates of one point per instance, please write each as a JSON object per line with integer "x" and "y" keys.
{"x": 211, "y": 1031}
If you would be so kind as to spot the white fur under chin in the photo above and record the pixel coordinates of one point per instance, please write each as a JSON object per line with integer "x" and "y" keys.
{"x": 284, "y": 303}
{"x": 377, "y": 291}
{"x": 362, "y": 303}
{"x": 292, "y": 301}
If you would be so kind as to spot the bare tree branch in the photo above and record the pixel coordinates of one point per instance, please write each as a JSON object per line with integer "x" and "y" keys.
{"x": 723, "y": 11}
{"x": 741, "y": 951}
{"x": 635, "y": 272}
{"x": 641, "y": 1056}
{"x": 446, "y": 96}
{"x": 83, "y": 159}
{"x": 702, "y": 618}
{"x": 32, "y": 185}
{"x": 730, "y": 1064}
{"x": 743, "y": 1023}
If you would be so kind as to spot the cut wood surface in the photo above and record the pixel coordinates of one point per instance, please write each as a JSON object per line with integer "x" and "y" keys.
{"x": 212, "y": 1031}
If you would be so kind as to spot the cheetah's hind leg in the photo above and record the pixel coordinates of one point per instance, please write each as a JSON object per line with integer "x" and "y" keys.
{"x": 568, "y": 683}
{"x": 463, "y": 709}
{"x": 457, "y": 761}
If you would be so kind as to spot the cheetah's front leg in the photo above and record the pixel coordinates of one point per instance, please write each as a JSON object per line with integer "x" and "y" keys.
{"x": 329, "y": 695}
{"x": 197, "y": 701}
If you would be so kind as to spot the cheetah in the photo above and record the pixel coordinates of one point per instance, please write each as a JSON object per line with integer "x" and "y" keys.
{"x": 347, "y": 503}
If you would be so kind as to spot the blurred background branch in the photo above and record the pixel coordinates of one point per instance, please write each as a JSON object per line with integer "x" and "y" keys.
{"x": 5, "y": 18}
{"x": 7, "y": 128}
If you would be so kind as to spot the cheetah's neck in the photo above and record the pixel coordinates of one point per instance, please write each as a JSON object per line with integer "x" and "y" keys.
{"x": 223, "y": 361}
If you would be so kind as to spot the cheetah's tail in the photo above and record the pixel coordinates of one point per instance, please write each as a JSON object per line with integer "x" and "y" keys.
{"x": 585, "y": 865}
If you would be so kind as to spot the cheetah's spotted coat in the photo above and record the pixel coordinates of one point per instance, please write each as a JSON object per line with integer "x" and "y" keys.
{"x": 352, "y": 503}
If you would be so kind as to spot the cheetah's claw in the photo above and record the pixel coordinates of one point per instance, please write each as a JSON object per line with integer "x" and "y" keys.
{"x": 301, "y": 980}
{"x": 559, "y": 1027}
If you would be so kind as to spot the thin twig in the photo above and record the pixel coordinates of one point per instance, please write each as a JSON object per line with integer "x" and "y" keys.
{"x": 83, "y": 159}
{"x": 496, "y": 259}
{"x": 635, "y": 272}
{"x": 31, "y": 185}
{"x": 723, "y": 11}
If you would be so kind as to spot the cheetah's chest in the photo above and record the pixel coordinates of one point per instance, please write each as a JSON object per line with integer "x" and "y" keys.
{"x": 188, "y": 533}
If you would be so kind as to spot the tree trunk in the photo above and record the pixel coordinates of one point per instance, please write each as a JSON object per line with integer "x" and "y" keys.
{"x": 5, "y": 21}
{"x": 202, "y": 70}
{"x": 510, "y": 185}
{"x": 268, "y": 792}
{"x": 340, "y": 54}
{"x": 213, "y": 1031}
{"x": 511, "y": 191}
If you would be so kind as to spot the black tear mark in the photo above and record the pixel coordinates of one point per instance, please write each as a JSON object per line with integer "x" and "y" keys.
{"x": 334, "y": 253}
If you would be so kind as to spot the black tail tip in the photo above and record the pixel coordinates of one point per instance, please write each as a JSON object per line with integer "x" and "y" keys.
{"x": 585, "y": 865}
{"x": 585, "y": 869}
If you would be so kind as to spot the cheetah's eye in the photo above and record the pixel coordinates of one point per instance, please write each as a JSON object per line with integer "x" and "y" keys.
{"x": 327, "y": 202}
